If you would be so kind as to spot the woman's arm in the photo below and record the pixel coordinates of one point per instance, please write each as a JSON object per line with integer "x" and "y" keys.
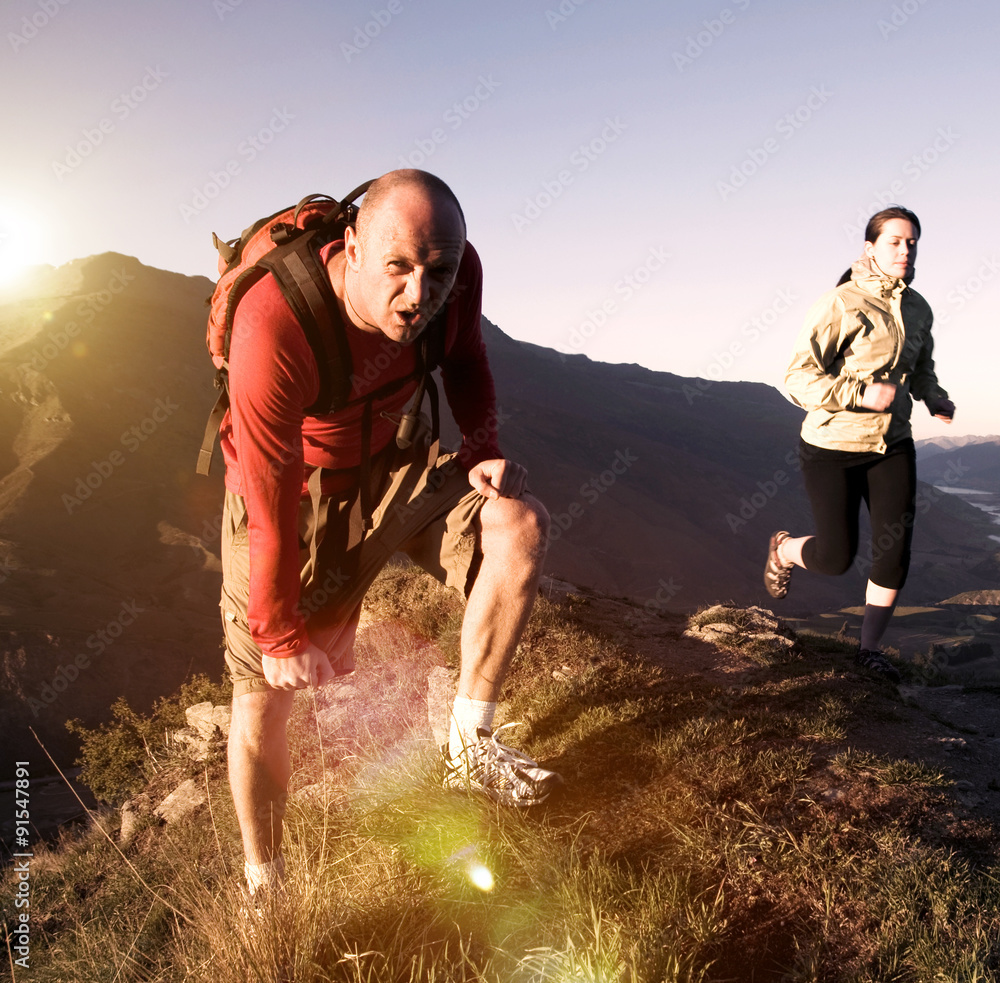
{"x": 814, "y": 379}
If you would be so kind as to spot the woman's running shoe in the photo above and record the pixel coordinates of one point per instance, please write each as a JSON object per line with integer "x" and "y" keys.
{"x": 875, "y": 661}
{"x": 776, "y": 575}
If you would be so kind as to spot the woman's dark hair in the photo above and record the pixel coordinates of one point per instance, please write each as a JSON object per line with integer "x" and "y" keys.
{"x": 877, "y": 222}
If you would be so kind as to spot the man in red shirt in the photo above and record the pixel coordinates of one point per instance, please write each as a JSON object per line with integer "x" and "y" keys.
{"x": 290, "y": 614}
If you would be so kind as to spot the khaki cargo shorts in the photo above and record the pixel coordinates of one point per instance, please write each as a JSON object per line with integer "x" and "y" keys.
{"x": 427, "y": 512}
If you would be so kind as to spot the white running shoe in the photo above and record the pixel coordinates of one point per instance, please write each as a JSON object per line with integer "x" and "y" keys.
{"x": 507, "y": 776}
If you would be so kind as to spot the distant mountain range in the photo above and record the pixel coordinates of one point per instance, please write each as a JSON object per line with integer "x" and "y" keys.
{"x": 934, "y": 445}
{"x": 974, "y": 464}
{"x": 662, "y": 488}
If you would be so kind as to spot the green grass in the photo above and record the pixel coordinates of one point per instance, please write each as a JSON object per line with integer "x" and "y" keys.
{"x": 710, "y": 830}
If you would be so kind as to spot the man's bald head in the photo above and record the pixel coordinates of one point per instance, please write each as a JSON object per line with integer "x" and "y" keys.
{"x": 402, "y": 258}
{"x": 403, "y": 183}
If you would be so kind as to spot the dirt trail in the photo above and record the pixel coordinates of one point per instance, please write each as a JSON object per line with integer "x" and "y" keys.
{"x": 954, "y": 729}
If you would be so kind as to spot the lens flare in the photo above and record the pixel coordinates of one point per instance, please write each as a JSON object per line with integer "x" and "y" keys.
{"x": 480, "y": 876}
{"x": 478, "y": 873}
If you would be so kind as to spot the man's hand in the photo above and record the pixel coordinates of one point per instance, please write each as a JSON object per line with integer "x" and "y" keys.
{"x": 310, "y": 667}
{"x": 499, "y": 479}
{"x": 943, "y": 409}
{"x": 878, "y": 396}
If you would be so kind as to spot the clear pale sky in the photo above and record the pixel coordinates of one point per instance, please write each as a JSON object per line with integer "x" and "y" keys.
{"x": 643, "y": 180}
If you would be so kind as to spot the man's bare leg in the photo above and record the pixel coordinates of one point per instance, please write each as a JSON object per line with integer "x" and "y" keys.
{"x": 514, "y": 538}
{"x": 259, "y": 769}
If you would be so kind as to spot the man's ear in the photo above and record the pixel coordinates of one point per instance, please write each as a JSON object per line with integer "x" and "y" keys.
{"x": 352, "y": 248}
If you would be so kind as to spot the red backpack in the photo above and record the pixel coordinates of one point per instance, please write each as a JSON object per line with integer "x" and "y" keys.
{"x": 286, "y": 245}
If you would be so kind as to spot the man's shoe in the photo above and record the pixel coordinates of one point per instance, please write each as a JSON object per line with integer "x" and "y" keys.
{"x": 776, "y": 575}
{"x": 505, "y": 775}
{"x": 875, "y": 661}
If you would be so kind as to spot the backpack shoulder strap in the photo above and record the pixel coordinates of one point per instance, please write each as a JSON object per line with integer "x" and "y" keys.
{"x": 435, "y": 334}
{"x": 304, "y": 283}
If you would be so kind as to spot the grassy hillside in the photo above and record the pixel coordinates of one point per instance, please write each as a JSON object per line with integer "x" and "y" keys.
{"x": 739, "y": 805}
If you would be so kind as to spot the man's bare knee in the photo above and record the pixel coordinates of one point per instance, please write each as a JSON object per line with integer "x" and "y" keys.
{"x": 518, "y": 526}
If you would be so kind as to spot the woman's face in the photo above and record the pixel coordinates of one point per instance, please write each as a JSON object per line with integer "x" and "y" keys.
{"x": 895, "y": 250}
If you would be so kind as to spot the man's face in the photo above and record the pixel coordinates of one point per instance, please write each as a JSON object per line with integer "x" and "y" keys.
{"x": 402, "y": 269}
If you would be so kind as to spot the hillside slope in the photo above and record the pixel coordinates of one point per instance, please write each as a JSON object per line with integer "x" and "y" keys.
{"x": 661, "y": 488}
{"x": 739, "y": 804}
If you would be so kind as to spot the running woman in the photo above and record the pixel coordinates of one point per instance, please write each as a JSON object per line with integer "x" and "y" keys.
{"x": 864, "y": 353}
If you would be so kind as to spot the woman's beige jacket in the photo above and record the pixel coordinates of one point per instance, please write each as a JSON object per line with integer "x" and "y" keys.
{"x": 874, "y": 328}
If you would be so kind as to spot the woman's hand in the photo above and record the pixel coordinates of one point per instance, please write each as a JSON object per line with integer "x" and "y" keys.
{"x": 943, "y": 409}
{"x": 878, "y": 396}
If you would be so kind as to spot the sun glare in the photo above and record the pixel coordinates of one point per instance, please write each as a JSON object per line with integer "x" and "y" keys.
{"x": 20, "y": 243}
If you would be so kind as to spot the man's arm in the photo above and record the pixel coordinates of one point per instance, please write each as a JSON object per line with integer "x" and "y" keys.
{"x": 272, "y": 376}
{"x": 465, "y": 369}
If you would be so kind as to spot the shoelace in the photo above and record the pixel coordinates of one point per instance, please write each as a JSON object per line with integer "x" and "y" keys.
{"x": 500, "y": 754}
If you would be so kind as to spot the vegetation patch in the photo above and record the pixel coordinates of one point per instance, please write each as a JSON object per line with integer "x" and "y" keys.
{"x": 712, "y": 828}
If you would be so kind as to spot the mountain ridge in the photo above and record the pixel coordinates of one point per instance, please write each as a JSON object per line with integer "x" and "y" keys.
{"x": 662, "y": 488}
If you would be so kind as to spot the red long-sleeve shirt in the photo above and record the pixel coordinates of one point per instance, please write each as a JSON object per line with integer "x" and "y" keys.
{"x": 270, "y": 445}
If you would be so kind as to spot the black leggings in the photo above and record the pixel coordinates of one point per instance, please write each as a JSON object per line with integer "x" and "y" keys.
{"x": 837, "y": 482}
